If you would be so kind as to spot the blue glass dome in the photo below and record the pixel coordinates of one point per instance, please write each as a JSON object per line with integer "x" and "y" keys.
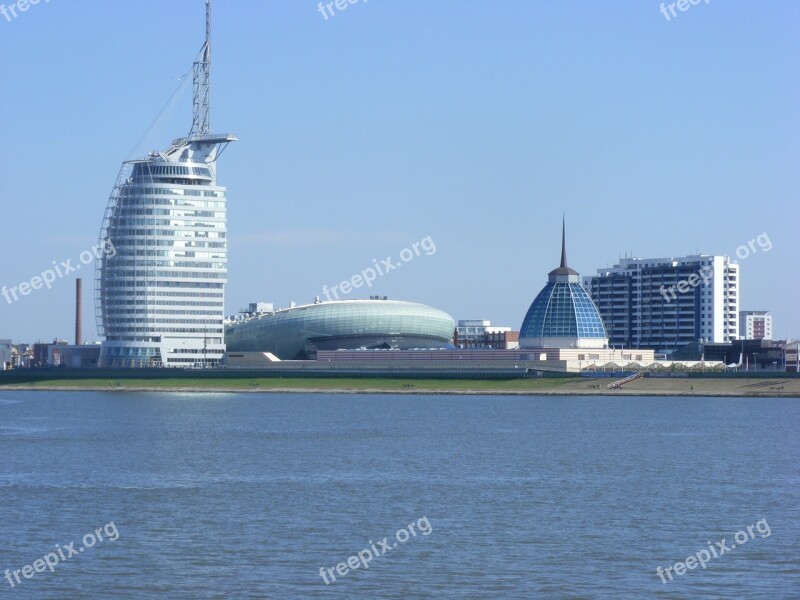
{"x": 563, "y": 315}
{"x": 563, "y": 310}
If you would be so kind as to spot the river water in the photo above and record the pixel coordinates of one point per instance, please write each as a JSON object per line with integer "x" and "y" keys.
{"x": 263, "y": 495}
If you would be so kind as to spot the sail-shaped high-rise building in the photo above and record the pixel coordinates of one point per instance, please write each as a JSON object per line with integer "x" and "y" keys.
{"x": 160, "y": 296}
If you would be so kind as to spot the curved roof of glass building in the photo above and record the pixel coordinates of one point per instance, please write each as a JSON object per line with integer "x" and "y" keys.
{"x": 563, "y": 315}
{"x": 295, "y": 333}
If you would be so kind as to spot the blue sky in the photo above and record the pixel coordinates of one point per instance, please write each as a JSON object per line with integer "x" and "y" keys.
{"x": 475, "y": 123}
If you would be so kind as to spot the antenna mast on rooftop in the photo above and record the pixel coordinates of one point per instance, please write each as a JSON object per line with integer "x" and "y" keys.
{"x": 201, "y": 121}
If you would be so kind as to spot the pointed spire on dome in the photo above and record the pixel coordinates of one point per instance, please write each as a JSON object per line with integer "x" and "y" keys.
{"x": 563, "y": 269}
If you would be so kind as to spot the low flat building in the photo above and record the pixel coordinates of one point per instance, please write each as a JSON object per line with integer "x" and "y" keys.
{"x": 76, "y": 356}
{"x": 47, "y": 354}
{"x": 754, "y": 355}
{"x": 249, "y": 360}
{"x": 568, "y": 360}
{"x": 792, "y": 357}
{"x": 478, "y": 333}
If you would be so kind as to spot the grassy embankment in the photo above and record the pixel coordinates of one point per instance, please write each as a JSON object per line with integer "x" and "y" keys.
{"x": 565, "y": 385}
{"x": 300, "y": 384}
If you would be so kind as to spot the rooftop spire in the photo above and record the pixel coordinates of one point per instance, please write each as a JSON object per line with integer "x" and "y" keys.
{"x": 563, "y": 269}
{"x": 201, "y": 121}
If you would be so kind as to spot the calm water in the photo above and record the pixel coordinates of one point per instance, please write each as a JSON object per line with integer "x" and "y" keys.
{"x": 247, "y": 496}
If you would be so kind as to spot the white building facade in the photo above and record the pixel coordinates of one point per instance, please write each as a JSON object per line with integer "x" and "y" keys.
{"x": 755, "y": 325}
{"x": 160, "y": 293}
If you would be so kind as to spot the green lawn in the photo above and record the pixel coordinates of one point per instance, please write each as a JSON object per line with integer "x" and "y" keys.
{"x": 308, "y": 383}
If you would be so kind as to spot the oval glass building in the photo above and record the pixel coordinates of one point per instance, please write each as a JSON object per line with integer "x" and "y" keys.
{"x": 563, "y": 315}
{"x": 160, "y": 293}
{"x": 297, "y": 333}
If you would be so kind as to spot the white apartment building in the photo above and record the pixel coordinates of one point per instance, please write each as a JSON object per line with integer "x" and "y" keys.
{"x": 755, "y": 325}
{"x": 665, "y": 303}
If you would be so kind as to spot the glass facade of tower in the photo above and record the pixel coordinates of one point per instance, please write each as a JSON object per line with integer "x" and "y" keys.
{"x": 562, "y": 309}
{"x": 160, "y": 296}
